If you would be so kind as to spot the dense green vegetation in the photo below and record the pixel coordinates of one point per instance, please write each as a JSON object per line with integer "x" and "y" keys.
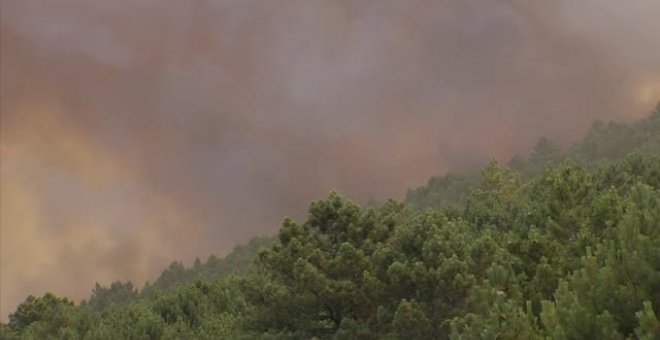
{"x": 604, "y": 143}
{"x": 563, "y": 245}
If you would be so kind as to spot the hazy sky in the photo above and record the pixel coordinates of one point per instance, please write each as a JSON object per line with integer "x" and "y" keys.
{"x": 137, "y": 132}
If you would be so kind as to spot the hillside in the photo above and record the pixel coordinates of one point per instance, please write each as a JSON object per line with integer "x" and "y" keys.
{"x": 605, "y": 142}
{"x": 561, "y": 245}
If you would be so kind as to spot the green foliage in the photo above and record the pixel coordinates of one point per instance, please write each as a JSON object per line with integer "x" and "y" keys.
{"x": 120, "y": 294}
{"x": 614, "y": 141}
{"x": 236, "y": 262}
{"x": 603, "y": 143}
{"x": 446, "y": 192}
{"x": 545, "y": 153}
{"x": 492, "y": 203}
{"x": 545, "y": 248}
{"x": 649, "y": 327}
{"x": 45, "y": 317}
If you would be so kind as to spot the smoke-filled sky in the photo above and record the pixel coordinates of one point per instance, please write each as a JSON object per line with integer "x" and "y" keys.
{"x": 137, "y": 132}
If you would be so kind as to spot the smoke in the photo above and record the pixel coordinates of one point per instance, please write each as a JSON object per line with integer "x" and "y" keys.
{"x": 134, "y": 133}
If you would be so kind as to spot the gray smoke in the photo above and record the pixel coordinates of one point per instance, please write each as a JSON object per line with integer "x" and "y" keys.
{"x": 139, "y": 132}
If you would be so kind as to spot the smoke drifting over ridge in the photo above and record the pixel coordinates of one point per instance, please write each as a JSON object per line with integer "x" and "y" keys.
{"x": 134, "y": 133}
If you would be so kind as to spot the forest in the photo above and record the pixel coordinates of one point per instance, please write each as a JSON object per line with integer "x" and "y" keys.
{"x": 562, "y": 244}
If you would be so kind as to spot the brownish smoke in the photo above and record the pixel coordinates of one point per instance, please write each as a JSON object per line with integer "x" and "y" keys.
{"x": 139, "y": 132}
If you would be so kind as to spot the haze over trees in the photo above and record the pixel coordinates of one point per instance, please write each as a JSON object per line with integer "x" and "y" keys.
{"x": 137, "y": 133}
{"x": 561, "y": 245}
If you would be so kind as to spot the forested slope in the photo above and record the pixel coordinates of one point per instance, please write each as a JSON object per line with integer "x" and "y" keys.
{"x": 561, "y": 246}
{"x": 605, "y": 142}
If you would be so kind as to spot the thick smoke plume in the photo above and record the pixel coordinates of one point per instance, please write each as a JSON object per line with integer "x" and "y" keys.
{"x": 139, "y": 132}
